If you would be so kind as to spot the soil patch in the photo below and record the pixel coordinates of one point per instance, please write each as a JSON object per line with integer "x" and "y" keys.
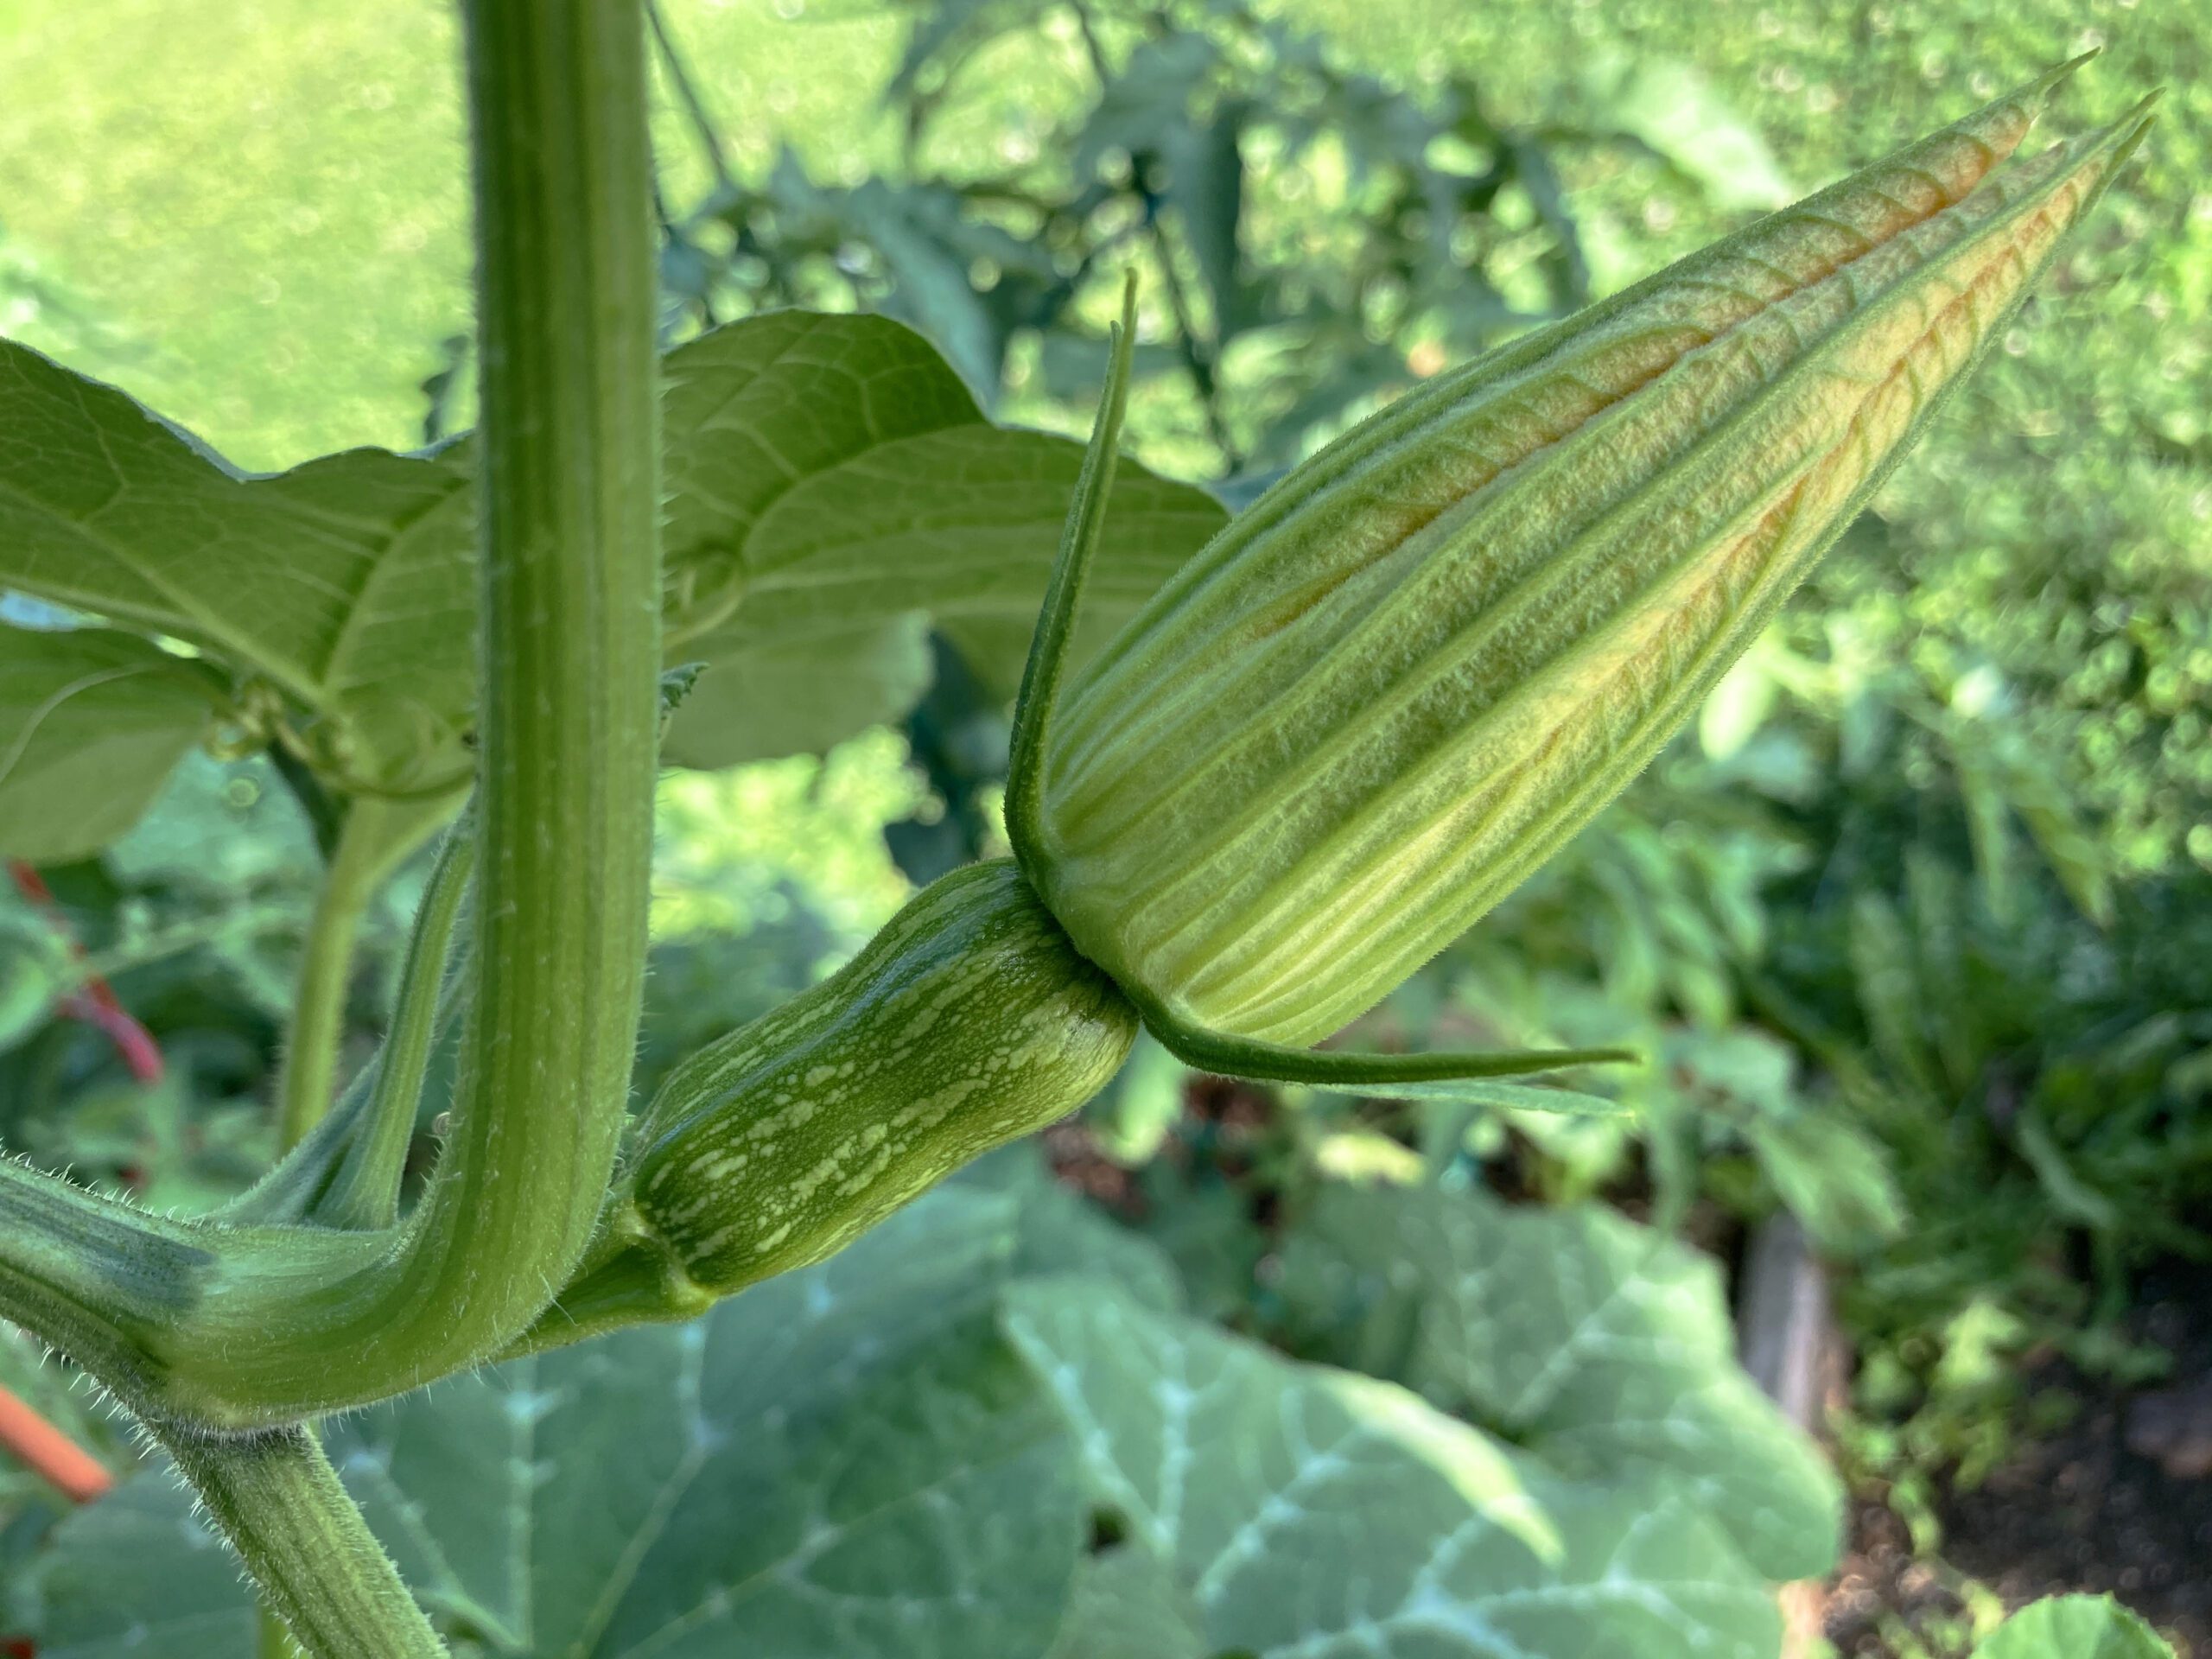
{"x": 2118, "y": 1501}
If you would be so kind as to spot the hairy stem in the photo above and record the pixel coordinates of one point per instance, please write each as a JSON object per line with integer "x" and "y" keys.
{"x": 571, "y": 607}
{"x": 289, "y": 1322}
{"x": 365, "y": 1189}
{"x": 278, "y": 1501}
{"x": 267, "y": 1325}
{"x": 92, "y": 1275}
{"x": 569, "y": 709}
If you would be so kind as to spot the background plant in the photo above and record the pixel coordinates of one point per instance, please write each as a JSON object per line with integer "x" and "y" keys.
{"x": 1691, "y": 934}
{"x": 1807, "y": 948}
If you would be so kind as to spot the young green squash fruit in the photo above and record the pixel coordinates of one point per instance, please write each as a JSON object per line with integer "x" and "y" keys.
{"x": 968, "y": 1022}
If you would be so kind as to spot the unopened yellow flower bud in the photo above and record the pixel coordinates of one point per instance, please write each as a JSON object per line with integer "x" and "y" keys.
{"x": 1387, "y": 692}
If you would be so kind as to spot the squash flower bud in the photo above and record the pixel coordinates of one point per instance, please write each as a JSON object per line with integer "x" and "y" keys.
{"x": 1399, "y": 682}
{"x": 1360, "y": 716}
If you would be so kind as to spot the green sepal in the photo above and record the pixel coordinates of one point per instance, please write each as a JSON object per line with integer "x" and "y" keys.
{"x": 1391, "y": 1077}
{"x": 630, "y": 1276}
{"x": 1048, "y": 647}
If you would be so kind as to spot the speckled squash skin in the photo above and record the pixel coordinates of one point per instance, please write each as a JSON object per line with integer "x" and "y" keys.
{"x": 968, "y": 1022}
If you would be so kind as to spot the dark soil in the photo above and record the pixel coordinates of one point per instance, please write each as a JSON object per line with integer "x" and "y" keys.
{"x": 2118, "y": 1501}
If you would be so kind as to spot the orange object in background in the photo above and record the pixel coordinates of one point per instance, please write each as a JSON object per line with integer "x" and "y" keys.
{"x": 44, "y": 1449}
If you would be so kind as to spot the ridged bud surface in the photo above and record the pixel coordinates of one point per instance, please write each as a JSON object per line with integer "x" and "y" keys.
{"x": 1400, "y": 681}
{"x": 969, "y": 1021}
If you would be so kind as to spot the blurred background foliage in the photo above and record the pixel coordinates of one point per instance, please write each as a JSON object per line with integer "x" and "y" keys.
{"x": 1917, "y": 922}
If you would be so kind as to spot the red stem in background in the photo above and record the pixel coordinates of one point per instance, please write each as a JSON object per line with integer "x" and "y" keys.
{"x": 96, "y": 1003}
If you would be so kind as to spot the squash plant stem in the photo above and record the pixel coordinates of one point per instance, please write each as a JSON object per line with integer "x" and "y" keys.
{"x": 283, "y": 1325}
{"x": 301, "y": 1536}
{"x": 569, "y": 599}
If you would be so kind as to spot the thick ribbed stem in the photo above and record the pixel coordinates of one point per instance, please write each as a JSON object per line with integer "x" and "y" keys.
{"x": 571, "y": 603}
{"x": 571, "y": 607}
{"x": 279, "y": 1324}
{"x": 278, "y": 1501}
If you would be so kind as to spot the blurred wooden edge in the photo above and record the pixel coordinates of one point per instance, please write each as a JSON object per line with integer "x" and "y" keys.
{"x": 1788, "y": 1341}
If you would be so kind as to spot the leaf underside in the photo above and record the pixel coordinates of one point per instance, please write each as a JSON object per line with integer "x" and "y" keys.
{"x": 829, "y": 480}
{"x": 92, "y": 721}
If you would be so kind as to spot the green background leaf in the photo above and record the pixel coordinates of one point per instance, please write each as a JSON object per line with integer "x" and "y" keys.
{"x": 342, "y": 580}
{"x": 838, "y": 472}
{"x": 901, "y": 1451}
{"x": 766, "y": 693}
{"x": 1314, "y": 1512}
{"x": 92, "y": 723}
{"x": 845, "y": 1461}
{"x": 829, "y": 477}
{"x": 2074, "y": 1627}
{"x": 1128, "y": 1605}
{"x": 1604, "y": 1347}
{"x": 1831, "y": 1175}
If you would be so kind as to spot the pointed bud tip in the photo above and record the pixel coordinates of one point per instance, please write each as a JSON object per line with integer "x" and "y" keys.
{"x": 2125, "y": 132}
{"x": 1996, "y": 129}
{"x": 2053, "y": 77}
{"x": 2036, "y": 94}
{"x": 2138, "y": 121}
{"x": 2118, "y": 139}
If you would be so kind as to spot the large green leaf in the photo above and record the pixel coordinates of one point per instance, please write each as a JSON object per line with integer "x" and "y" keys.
{"x": 766, "y": 693}
{"x": 828, "y": 475}
{"x": 1127, "y": 1605}
{"x": 846, "y": 1460}
{"x": 92, "y": 721}
{"x": 1060, "y": 1233}
{"x": 837, "y": 471}
{"x": 1604, "y": 1347}
{"x": 2074, "y": 1627}
{"x": 344, "y": 581}
{"x": 1316, "y": 1513}
{"x": 851, "y": 1460}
